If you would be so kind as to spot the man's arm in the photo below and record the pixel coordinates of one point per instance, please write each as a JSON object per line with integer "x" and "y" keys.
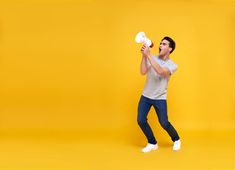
{"x": 144, "y": 66}
{"x": 165, "y": 72}
{"x": 161, "y": 71}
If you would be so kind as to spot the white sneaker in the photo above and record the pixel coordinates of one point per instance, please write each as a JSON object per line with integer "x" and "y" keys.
{"x": 177, "y": 145}
{"x": 150, "y": 147}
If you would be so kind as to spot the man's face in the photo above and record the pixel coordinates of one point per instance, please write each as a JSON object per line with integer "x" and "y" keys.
{"x": 164, "y": 48}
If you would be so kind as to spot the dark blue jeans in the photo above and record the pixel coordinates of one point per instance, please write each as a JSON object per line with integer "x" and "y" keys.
{"x": 160, "y": 107}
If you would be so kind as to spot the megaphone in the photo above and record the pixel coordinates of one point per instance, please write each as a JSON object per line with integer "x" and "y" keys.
{"x": 141, "y": 38}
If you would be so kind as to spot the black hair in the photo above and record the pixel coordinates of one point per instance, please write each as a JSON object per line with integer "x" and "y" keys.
{"x": 171, "y": 43}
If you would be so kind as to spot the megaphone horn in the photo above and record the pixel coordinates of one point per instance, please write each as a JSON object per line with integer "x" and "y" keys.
{"x": 141, "y": 38}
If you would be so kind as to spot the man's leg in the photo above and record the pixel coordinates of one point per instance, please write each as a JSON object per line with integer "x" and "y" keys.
{"x": 143, "y": 109}
{"x": 160, "y": 107}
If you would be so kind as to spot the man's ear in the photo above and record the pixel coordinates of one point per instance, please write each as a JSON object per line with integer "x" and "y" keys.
{"x": 170, "y": 49}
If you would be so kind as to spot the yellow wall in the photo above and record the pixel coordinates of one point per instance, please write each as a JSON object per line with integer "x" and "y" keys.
{"x": 75, "y": 66}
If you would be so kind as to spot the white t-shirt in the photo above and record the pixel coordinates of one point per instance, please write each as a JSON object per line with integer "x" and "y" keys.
{"x": 156, "y": 85}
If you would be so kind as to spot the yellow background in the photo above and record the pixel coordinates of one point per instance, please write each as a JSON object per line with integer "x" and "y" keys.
{"x": 73, "y": 66}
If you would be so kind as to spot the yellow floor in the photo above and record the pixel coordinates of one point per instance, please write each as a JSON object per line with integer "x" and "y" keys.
{"x": 209, "y": 150}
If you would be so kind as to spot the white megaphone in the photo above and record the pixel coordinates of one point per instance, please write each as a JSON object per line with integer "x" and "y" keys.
{"x": 141, "y": 38}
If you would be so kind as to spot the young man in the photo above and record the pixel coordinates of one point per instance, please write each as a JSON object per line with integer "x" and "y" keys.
{"x": 159, "y": 70}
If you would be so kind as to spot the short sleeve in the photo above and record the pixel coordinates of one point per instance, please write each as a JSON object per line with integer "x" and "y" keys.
{"x": 172, "y": 67}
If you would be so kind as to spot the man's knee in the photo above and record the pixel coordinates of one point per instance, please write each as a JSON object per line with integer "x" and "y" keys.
{"x": 165, "y": 124}
{"x": 141, "y": 122}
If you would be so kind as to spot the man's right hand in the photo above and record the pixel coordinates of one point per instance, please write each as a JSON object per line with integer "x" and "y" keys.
{"x": 145, "y": 51}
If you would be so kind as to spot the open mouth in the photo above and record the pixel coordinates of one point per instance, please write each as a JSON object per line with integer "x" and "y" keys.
{"x": 160, "y": 50}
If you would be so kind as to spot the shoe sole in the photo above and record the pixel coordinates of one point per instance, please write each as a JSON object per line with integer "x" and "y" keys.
{"x": 150, "y": 150}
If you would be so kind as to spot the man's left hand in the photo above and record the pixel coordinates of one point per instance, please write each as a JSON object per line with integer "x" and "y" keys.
{"x": 145, "y": 51}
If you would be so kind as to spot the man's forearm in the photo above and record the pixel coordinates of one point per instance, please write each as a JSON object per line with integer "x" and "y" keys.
{"x": 143, "y": 65}
{"x": 161, "y": 71}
